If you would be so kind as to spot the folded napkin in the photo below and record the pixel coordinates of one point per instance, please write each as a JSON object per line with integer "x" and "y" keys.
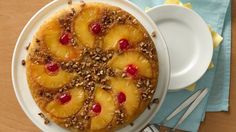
{"x": 219, "y": 96}
{"x": 214, "y": 12}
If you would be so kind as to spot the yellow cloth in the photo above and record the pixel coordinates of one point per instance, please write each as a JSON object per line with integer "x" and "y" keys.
{"x": 187, "y": 5}
{"x": 191, "y": 87}
{"x": 217, "y": 39}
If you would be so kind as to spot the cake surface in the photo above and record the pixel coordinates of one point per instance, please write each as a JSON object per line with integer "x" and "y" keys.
{"x": 92, "y": 67}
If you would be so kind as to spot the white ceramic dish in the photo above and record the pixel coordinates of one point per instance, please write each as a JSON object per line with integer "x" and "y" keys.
{"x": 19, "y": 72}
{"x": 189, "y": 41}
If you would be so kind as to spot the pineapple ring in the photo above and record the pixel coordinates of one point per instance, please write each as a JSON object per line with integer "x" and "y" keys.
{"x": 130, "y": 90}
{"x": 107, "y": 103}
{"x": 135, "y": 58}
{"x": 82, "y": 25}
{"x": 39, "y": 74}
{"x": 70, "y": 108}
{"x": 118, "y": 32}
{"x": 51, "y": 37}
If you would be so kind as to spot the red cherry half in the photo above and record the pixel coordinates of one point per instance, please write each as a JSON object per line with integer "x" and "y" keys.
{"x": 65, "y": 38}
{"x": 124, "y": 44}
{"x": 96, "y": 108}
{"x": 64, "y": 98}
{"x": 96, "y": 28}
{"x": 121, "y": 97}
{"x": 52, "y": 67}
{"x": 132, "y": 70}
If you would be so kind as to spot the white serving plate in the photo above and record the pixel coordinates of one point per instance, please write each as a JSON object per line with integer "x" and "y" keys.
{"x": 19, "y": 72}
{"x": 189, "y": 42}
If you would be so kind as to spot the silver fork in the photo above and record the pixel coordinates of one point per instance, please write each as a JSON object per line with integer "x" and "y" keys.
{"x": 192, "y": 102}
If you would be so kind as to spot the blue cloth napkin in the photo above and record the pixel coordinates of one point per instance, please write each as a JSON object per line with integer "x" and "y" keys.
{"x": 219, "y": 96}
{"x": 217, "y": 14}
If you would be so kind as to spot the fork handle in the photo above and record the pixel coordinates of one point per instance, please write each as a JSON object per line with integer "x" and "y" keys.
{"x": 150, "y": 128}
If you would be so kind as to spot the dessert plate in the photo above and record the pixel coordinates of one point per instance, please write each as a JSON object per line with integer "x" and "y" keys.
{"x": 19, "y": 72}
{"x": 189, "y": 42}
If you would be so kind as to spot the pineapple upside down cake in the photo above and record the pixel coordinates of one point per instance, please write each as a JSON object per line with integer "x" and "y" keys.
{"x": 92, "y": 67}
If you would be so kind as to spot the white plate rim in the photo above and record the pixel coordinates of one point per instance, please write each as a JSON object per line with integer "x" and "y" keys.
{"x": 173, "y": 87}
{"x": 17, "y": 69}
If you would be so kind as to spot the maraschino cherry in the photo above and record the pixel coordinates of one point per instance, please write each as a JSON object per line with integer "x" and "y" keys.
{"x": 96, "y": 28}
{"x": 132, "y": 70}
{"x": 96, "y": 108}
{"x": 65, "y": 38}
{"x": 124, "y": 44}
{"x": 64, "y": 98}
{"x": 121, "y": 97}
{"x": 52, "y": 67}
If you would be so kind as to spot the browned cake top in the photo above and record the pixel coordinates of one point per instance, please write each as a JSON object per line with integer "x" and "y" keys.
{"x": 92, "y": 67}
